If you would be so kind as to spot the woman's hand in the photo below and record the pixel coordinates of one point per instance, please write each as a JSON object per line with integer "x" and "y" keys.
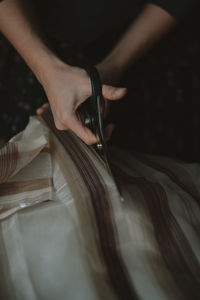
{"x": 66, "y": 88}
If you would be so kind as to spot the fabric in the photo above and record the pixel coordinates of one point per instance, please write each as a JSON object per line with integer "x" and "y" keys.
{"x": 82, "y": 22}
{"x": 77, "y": 240}
{"x": 20, "y": 184}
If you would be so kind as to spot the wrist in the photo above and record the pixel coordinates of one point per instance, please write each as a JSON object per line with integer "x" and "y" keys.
{"x": 110, "y": 70}
{"x": 48, "y": 68}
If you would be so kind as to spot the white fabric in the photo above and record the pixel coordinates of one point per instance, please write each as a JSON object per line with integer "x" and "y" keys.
{"x": 47, "y": 250}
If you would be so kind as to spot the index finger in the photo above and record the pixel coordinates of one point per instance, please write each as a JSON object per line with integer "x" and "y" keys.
{"x": 81, "y": 130}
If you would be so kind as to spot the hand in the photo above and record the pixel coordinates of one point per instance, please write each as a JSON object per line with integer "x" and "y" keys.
{"x": 108, "y": 130}
{"x": 66, "y": 88}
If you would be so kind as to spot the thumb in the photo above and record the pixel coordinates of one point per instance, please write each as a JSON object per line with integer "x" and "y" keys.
{"x": 113, "y": 93}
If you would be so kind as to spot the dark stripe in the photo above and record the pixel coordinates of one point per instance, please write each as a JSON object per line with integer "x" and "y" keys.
{"x": 117, "y": 273}
{"x": 190, "y": 189}
{"x": 8, "y": 161}
{"x": 174, "y": 247}
{"x": 12, "y": 188}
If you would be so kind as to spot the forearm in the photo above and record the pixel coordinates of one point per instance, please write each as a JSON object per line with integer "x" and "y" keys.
{"x": 19, "y": 28}
{"x": 150, "y": 25}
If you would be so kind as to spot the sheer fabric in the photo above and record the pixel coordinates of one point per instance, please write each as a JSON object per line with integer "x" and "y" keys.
{"x": 65, "y": 234}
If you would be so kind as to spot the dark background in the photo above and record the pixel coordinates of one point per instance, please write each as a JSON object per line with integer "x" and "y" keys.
{"x": 161, "y": 113}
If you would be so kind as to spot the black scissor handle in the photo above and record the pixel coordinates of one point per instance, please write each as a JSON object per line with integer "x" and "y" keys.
{"x": 90, "y": 114}
{"x": 90, "y": 110}
{"x": 95, "y": 81}
{"x": 97, "y": 99}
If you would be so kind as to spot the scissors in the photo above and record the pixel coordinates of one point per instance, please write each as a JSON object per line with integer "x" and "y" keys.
{"x": 90, "y": 113}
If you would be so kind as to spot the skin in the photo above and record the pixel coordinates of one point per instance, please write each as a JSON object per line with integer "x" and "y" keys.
{"x": 67, "y": 87}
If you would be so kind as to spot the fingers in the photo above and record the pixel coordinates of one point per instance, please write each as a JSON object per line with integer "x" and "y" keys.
{"x": 113, "y": 93}
{"x": 73, "y": 123}
{"x": 82, "y": 131}
{"x": 41, "y": 109}
{"x": 78, "y": 128}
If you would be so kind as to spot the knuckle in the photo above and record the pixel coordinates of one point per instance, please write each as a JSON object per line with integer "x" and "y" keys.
{"x": 62, "y": 119}
{"x": 89, "y": 143}
{"x": 59, "y": 126}
{"x": 86, "y": 140}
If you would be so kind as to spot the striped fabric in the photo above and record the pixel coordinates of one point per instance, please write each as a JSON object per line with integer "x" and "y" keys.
{"x": 22, "y": 180}
{"x": 65, "y": 234}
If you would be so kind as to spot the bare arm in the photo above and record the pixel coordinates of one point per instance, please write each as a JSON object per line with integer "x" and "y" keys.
{"x": 16, "y": 25}
{"x": 150, "y": 25}
{"x": 66, "y": 87}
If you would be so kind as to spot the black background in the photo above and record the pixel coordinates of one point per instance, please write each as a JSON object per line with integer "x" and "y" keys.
{"x": 161, "y": 113}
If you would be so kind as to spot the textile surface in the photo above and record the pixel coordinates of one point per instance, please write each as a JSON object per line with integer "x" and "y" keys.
{"x": 65, "y": 234}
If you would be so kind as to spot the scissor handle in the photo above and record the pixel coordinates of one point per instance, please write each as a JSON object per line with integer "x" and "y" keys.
{"x": 97, "y": 99}
{"x": 95, "y": 81}
{"x": 92, "y": 107}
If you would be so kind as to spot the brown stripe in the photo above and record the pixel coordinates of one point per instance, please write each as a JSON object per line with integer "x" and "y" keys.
{"x": 186, "y": 186}
{"x": 174, "y": 247}
{"x": 8, "y": 161}
{"x": 46, "y": 150}
{"x": 107, "y": 232}
{"x": 11, "y": 188}
{"x": 117, "y": 273}
{"x": 3, "y": 210}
